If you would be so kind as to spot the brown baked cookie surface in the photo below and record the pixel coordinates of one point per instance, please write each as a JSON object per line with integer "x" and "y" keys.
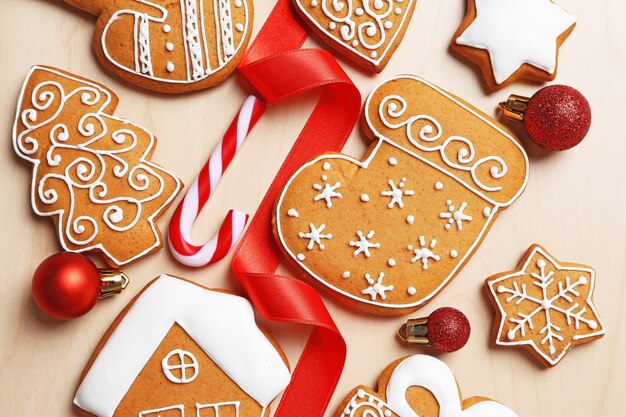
{"x": 545, "y": 306}
{"x": 91, "y": 170}
{"x": 179, "y": 349}
{"x": 418, "y": 385}
{"x": 170, "y": 46}
{"x": 512, "y": 40}
{"x": 388, "y": 232}
{"x": 367, "y": 32}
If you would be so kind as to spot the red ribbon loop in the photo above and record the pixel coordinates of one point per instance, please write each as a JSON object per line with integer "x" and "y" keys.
{"x": 278, "y": 70}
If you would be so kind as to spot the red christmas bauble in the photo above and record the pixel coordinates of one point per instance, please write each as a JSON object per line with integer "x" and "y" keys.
{"x": 448, "y": 329}
{"x": 66, "y": 285}
{"x": 558, "y": 117}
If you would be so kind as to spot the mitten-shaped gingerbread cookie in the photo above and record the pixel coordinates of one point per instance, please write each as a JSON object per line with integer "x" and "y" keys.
{"x": 91, "y": 170}
{"x": 418, "y": 385}
{"x": 368, "y": 32}
{"x": 389, "y": 232}
{"x": 170, "y": 46}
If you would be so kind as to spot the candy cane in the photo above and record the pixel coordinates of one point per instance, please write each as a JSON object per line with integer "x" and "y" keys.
{"x": 200, "y": 190}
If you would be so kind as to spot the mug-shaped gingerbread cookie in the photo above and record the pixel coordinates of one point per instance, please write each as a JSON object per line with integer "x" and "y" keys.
{"x": 389, "y": 232}
{"x": 170, "y": 46}
{"x": 91, "y": 170}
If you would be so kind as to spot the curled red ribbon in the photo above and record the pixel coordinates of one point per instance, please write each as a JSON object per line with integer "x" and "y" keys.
{"x": 278, "y": 70}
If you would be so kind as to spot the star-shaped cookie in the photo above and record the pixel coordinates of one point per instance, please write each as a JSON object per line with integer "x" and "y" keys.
{"x": 545, "y": 306}
{"x": 513, "y": 39}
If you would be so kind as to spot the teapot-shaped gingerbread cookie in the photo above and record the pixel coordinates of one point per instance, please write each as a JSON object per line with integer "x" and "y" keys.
{"x": 170, "y": 46}
{"x": 389, "y": 232}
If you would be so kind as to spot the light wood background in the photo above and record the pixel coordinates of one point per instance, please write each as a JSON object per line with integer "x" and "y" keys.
{"x": 574, "y": 205}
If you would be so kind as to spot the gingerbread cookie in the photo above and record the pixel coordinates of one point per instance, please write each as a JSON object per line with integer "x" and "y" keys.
{"x": 179, "y": 349}
{"x": 418, "y": 385}
{"x": 511, "y": 39}
{"x": 366, "y": 32}
{"x": 170, "y": 46}
{"x": 545, "y": 306}
{"x": 91, "y": 171}
{"x": 389, "y": 232}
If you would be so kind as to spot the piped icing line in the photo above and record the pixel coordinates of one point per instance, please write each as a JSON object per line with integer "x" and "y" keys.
{"x": 375, "y": 59}
{"x": 462, "y": 157}
{"x": 49, "y": 196}
{"x": 242, "y": 351}
{"x": 493, "y": 285}
{"x": 364, "y": 165}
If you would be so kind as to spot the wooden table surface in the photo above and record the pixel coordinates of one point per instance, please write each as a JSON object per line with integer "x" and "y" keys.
{"x": 574, "y": 205}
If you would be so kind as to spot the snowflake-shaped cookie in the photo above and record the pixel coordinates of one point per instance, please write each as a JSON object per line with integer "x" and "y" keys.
{"x": 545, "y": 306}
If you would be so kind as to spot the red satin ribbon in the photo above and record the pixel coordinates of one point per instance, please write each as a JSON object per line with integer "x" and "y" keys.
{"x": 278, "y": 69}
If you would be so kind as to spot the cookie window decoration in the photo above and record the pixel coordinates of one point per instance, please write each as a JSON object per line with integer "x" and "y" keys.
{"x": 366, "y": 31}
{"x": 180, "y": 349}
{"x": 91, "y": 170}
{"x": 170, "y": 46}
{"x": 545, "y": 306}
{"x": 398, "y": 225}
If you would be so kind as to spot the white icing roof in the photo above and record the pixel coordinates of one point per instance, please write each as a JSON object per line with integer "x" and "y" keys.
{"x": 221, "y": 324}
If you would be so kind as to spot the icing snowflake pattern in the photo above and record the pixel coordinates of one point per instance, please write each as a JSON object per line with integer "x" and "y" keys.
{"x": 376, "y": 287}
{"x": 327, "y": 193}
{"x": 315, "y": 235}
{"x": 453, "y": 216}
{"x": 424, "y": 252}
{"x": 396, "y": 193}
{"x": 546, "y": 306}
{"x": 363, "y": 245}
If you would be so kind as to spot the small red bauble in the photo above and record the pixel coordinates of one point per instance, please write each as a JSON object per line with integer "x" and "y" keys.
{"x": 446, "y": 329}
{"x": 556, "y": 117}
{"x": 66, "y": 285}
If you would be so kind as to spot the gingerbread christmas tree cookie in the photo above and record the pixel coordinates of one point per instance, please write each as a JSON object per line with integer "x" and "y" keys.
{"x": 545, "y": 306}
{"x": 388, "y": 232}
{"x": 91, "y": 170}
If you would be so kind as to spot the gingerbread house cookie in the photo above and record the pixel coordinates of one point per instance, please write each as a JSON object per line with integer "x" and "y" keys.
{"x": 418, "y": 385}
{"x": 179, "y": 349}
{"x": 170, "y": 46}
{"x": 388, "y": 232}
{"x": 91, "y": 170}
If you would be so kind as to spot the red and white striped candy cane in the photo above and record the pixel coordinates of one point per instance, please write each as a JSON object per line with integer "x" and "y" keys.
{"x": 200, "y": 190}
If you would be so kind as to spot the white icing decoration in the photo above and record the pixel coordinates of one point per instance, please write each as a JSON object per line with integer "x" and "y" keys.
{"x": 315, "y": 235}
{"x": 156, "y": 411}
{"x": 170, "y": 66}
{"x": 181, "y": 365}
{"x": 345, "y": 274}
{"x": 438, "y": 186}
{"x": 411, "y": 290}
{"x": 455, "y": 217}
{"x": 193, "y": 33}
{"x": 391, "y": 262}
{"x": 368, "y": 25}
{"x": 486, "y": 212}
{"x": 218, "y": 409}
{"x": 364, "y": 165}
{"x": 221, "y": 324}
{"x": 355, "y": 43}
{"x": 102, "y": 148}
{"x": 393, "y": 161}
{"x": 363, "y": 245}
{"x": 314, "y": 3}
{"x": 324, "y": 178}
{"x": 424, "y": 252}
{"x": 410, "y": 219}
{"x": 293, "y": 213}
{"x": 169, "y": 46}
{"x": 543, "y": 22}
{"x": 396, "y": 193}
{"x": 326, "y": 166}
{"x": 432, "y": 374}
{"x": 301, "y": 257}
{"x": 557, "y": 297}
{"x": 376, "y": 287}
{"x": 365, "y": 198}
{"x": 453, "y": 253}
{"x": 327, "y": 193}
